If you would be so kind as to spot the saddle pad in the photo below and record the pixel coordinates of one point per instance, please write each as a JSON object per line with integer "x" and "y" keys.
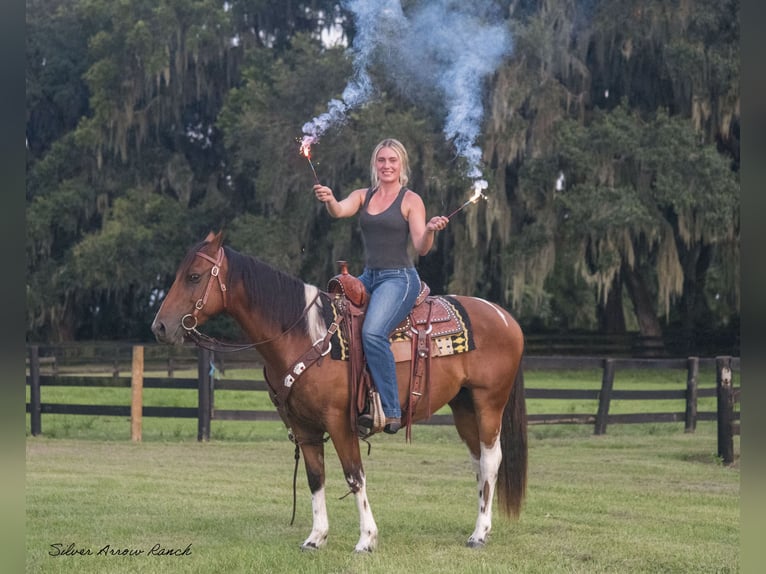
{"x": 451, "y": 333}
{"x": 441, "y": 347}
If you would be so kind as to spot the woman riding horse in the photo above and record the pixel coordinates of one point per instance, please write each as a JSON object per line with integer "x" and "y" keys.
{"x": 286, "y": 320}
{"x": 391, "y": 214}
{"x": 283, "y": 318}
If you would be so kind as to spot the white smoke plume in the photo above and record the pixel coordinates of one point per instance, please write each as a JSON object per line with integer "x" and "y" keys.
{"x": 444, "y": 45}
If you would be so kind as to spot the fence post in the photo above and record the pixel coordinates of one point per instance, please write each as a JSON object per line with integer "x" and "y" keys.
{"x": 204, "y": 405}
{"x": 35, "y": 409}
{"x": 136, "y": 391}
{"x": 692, "y": 371}
{"x": 725, "y": 395}
{"x": 604, "y": 397}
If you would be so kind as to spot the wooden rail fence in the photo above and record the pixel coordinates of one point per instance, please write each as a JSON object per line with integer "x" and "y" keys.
{"x": 725, "y": 391}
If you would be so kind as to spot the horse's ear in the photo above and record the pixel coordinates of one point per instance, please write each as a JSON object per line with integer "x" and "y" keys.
{"x": 215, "y": 238}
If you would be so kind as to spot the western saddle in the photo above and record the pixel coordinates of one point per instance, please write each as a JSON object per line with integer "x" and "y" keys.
{"x": 413, "y": 340}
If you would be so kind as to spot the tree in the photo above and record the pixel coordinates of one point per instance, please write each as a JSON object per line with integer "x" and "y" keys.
{"x": 155, "y": 82}
{"x": 56, "y": 57}
{"x": 192, "y": 107}
{"x": 572, "y": 63}
{"x": 648, "y": 204}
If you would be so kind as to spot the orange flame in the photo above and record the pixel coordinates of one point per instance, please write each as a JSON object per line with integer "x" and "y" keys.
{"x": 305, "y": 148}
{"x": 478, "y": 193}
{"x": 305, "y": 151}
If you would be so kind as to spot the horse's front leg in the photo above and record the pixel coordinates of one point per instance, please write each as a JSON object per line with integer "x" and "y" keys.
{"x": 368, "y": 530}
{"x": 313, "y": 456}
{"x": 347, "y": 447}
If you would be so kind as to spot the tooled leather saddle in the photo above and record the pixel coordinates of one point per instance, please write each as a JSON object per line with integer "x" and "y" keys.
{"x": 424, "y": 333}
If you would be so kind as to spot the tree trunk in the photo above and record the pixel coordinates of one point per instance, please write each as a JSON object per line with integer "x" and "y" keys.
{"x": 693, "y": 306}
{"x": 643, "y": 302}
{"x": 63, "y": 321}
{"x": 611, "y": 318}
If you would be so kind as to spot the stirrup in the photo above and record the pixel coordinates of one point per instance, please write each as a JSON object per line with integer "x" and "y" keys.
{"x": 365, "y": 424}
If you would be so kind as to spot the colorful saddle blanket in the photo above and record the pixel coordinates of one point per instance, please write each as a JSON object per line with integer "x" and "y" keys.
{"x": 449, "y": 323}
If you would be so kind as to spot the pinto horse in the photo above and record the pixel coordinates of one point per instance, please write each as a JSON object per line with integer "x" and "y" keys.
{"x": 281, "y": 315}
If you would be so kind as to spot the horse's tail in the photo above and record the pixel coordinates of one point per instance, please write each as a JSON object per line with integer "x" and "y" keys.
{"x": 512, "y": 475}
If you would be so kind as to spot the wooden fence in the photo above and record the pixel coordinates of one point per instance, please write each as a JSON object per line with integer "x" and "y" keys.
{"x": 726, "y": 393}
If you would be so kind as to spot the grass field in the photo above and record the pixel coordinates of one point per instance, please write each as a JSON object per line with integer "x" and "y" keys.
{"x": 630, "y": 501}
{"x": 643, "y": 498}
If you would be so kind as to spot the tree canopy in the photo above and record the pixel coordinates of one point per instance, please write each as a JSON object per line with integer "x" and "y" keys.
{"x": 610, "y": 143}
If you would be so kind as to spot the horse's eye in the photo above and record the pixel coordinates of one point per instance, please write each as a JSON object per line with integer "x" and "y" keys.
{"x": 194, "y": 277}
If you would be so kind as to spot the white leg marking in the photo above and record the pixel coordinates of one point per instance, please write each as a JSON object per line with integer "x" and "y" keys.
{"x": 368, "y": 530}
{"x": 476, "y": 468}
{"x": 488, "y": 468}
{"x": 321, "y": 526}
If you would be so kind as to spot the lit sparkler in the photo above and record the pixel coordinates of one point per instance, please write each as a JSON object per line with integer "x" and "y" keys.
{"x": 478, "y": 193}
{"x": 306, "y": 152}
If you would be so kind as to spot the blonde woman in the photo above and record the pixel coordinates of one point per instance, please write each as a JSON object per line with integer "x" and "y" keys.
{"x": 391, "y": 215}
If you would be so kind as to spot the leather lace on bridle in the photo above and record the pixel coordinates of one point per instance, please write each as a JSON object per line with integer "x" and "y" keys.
{"x": 210, "y": 343}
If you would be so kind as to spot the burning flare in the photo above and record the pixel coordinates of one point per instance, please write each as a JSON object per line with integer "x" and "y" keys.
{"x": 478, "y": 192}
{"x": 305, "y": 151}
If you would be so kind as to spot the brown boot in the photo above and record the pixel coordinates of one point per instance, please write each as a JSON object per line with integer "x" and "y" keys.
{"x": 393, "y": 424}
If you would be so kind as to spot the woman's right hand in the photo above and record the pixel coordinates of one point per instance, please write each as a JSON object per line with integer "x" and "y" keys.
{"x": 323, "y": 193}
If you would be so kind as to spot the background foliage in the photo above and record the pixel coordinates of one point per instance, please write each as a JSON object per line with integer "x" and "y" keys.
{"x": 611, "y": 144}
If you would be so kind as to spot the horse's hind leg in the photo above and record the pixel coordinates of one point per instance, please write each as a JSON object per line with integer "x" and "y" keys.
{"x": 483, "y": 441}
{"x": 489, "y": 464}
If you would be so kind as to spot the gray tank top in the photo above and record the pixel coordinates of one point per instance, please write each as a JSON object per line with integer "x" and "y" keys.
{"x": 385, "y": 235}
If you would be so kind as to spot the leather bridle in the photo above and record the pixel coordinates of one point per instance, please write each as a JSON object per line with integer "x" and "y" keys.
{"x": 207, "y": 342}
{"x": 215, "y": 273}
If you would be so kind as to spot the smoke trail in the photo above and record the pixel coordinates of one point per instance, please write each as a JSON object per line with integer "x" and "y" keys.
{"x": 446, "y": 45}
{"x": 373, "y": 21}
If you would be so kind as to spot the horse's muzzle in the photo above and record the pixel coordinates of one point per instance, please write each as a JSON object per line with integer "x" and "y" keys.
{"x": 165, "y": 335}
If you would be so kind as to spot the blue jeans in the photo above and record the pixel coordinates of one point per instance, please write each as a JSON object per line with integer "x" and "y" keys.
{"x": 392, "y": 295}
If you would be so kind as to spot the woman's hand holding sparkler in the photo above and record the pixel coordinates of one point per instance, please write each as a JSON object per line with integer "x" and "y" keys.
{"x": 323, "y": 193}
{"x": 344, "y": 208}
{"x": 437, "y": 223}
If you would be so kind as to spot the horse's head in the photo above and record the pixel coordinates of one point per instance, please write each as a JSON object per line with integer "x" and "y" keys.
{"x": 198, "y": 292}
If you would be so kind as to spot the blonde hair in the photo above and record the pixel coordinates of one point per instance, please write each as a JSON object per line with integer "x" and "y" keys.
{"x": 404, "y": 161}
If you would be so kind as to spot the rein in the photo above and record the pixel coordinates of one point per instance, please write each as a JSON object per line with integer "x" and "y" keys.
{"x": 210, "y": 343}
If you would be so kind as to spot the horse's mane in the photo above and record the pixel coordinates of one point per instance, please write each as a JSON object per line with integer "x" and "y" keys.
{"x": 282, "y": 296}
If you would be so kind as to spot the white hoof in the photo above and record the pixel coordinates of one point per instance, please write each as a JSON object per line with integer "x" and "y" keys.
{"x": 367, "y": 544}
{"x": 474, "y": 543}
{"x": 314, "y": 543}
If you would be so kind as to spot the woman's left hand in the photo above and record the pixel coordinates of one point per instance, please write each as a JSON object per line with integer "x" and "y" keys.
{"x": 437, "y": 223}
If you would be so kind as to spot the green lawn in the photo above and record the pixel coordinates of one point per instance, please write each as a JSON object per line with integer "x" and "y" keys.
{"x": 643, "y": 498}
{"x": 629, "y": 501}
